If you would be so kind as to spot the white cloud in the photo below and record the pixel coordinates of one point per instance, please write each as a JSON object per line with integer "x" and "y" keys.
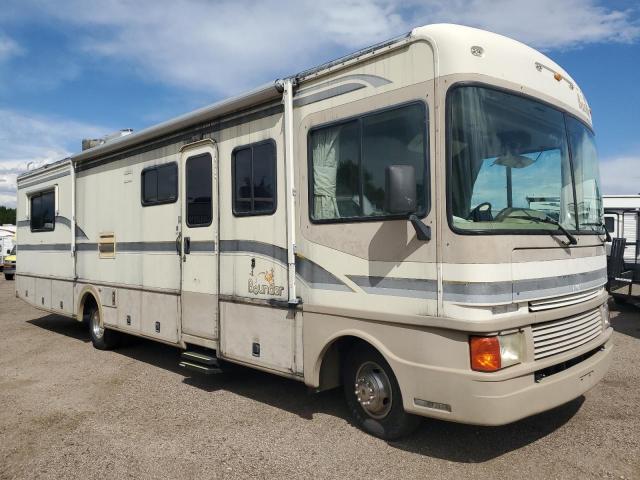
{"x": 543, "y": 24}
{"x": 26, "y": 138}
{"x": 621, "y": 175}
{"x": 228, "y": 46}
{"x": 9, "y": 48}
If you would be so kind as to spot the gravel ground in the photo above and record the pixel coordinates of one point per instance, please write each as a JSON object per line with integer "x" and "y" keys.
{"x": 70, "y": 411}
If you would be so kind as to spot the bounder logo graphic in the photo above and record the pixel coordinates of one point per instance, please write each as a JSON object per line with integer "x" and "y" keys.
{"x": 582, "y": 103}
{"x": 264, "y": 284}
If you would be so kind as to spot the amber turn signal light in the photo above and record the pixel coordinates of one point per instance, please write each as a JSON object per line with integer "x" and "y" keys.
{"x": 485, "y": 354}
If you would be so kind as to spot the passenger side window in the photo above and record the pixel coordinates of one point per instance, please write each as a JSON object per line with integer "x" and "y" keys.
{"x": 254, "y": 179}
{"x": 43, "y": 211}
{"x": 160, "y": 184}
{"x": 199, "y": 190}
{"x": 609, "y": 224}
{"x": 348, "y": 163}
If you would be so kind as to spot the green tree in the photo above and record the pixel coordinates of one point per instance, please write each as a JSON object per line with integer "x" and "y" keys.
{"x": 7, "y": 215}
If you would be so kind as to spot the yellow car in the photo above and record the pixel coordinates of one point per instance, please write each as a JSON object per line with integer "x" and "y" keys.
{"x": 9, "y": 266}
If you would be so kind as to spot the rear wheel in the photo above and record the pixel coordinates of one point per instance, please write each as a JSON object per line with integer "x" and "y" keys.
{"x": 101, "y": 338}
{"x": 8, "y": 276}
{"x": 373, "y": 395}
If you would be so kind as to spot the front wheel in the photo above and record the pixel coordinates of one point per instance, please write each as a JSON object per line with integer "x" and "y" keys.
{"x": 8, "y": 276}
{"x": 101, "y": 338}
{"x": 373, "y": 395}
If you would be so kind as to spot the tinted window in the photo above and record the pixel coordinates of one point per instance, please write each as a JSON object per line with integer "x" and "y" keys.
{"x": 243, "y": 181}
{"x": 254, "y": 179}
{"x": 199, "y": 189}
{"x": 349, "y": 162}
{"x": 609, "y": 224}
{"x": 43, "y": 211}
{"x": 160, "y": 184}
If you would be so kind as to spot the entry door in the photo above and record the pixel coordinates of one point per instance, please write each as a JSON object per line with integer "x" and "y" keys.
{"x": 198, "y": 184}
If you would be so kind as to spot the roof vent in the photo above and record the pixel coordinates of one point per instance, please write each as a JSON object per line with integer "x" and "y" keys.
{"x": 95, "y": 142}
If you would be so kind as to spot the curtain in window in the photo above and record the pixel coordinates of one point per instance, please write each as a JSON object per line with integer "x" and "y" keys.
{"x": 326, "y": 151}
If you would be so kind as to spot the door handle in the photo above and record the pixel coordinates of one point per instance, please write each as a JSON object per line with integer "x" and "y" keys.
{"x": 187, "y": 245}
{"x": 179, "y": 244}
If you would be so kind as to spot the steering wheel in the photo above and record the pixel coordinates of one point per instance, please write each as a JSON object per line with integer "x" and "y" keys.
{"x": 481, "y": 213}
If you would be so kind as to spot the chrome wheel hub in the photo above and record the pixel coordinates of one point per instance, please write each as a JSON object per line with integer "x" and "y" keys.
{"x": 98, "y": 330}
{"x": 373, "y": 390}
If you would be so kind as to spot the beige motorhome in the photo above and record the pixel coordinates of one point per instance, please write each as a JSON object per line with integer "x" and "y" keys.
{"x": 419, "y": 222}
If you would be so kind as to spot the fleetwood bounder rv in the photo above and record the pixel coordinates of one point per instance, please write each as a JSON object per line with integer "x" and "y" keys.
{"x": 419, "y": 222}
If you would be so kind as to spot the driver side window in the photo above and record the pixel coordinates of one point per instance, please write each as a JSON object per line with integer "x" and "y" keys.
{"x": 348, "y": 161}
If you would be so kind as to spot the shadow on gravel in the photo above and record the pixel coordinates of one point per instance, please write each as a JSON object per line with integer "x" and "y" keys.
{"x": 435, "y": 438}
{"x": 472, "y": 444}
{"x": 63, "y": 326}
{"x": 628, "y": 319}
{"x": 279, "y": 392}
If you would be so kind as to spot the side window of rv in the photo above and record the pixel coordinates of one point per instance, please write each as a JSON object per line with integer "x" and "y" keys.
{"x": 348, "y": 163}
{"x": 199, "y": 179}
{"x": 254, "y": 179}
{"x": 159, "y": 184}
{"x": 43, "y": 211}
{"x": 609, "y": 224}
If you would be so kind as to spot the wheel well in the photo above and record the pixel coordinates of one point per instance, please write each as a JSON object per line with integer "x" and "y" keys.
{"x": 87, "y": 305}
{"x": 333, "y": 358}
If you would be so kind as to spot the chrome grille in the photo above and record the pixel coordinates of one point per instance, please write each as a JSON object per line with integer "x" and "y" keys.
{"x": 559, "y": 336}
{"x": 564, "y": 300}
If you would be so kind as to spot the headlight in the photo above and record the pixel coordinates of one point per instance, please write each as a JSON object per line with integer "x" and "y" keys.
{"x": 489, "y": 354}
{"x": 606, "y": 321}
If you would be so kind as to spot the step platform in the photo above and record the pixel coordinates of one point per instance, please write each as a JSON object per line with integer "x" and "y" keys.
{"x": 200, "y": 362}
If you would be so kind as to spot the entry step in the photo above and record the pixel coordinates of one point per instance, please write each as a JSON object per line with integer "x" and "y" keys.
{"x": 200, "y": 362}
{"x": 200, "y": 357}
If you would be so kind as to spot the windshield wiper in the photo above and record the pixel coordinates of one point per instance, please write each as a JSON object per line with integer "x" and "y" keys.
{"x": 599, "y": 224}
{"x": 551, "y": 221}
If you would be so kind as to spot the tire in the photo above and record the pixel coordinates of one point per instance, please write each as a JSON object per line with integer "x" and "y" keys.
{"x": 8, "y": 276}
{"x": 365, "y": 369}
{"x": 102, "y": 338}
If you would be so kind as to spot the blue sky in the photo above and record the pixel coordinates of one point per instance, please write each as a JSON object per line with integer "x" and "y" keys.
{"x": 72, "y": 69}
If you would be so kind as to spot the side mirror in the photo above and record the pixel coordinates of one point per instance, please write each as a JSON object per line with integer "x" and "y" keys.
{"x": 400, "y": 183}
{"x": 9, "y": 252}
{"x": 401, "y": 198}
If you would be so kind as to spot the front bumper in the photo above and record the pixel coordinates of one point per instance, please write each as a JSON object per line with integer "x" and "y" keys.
{"x": 9, "y": 269}
{"x": 512, "y": 394}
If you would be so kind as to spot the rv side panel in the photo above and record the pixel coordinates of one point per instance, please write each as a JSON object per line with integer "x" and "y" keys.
{"x": 44, "y": 238}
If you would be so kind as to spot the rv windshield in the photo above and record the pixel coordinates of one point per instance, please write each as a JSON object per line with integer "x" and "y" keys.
{"x": 511, "y": 165}
{"x": 587, "y": 176}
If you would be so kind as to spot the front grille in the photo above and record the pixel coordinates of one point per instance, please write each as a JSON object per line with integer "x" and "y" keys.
{"x": 559, "y": 336}
{"x": 561, "y": 367}
{"x": 564, "y": 300}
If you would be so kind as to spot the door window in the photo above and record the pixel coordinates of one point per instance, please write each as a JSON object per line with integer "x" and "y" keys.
{"x": 199, "y": 183}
